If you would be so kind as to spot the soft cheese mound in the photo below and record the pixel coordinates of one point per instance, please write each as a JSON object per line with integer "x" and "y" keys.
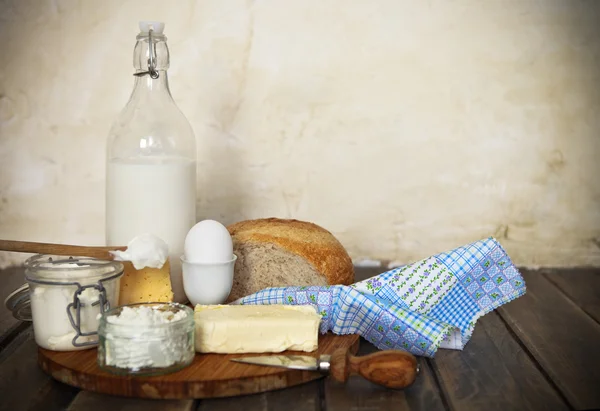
{"x": 255, "y": 328}
{"x": 145, "y": 250}
{"x": 140, "y": 341}
{"x": 143, "y": 315}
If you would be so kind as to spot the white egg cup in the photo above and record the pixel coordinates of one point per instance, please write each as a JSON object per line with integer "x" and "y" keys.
{"x": 208, "y": 283}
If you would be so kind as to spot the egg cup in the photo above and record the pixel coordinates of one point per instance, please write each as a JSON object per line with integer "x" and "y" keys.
{"x": 208, "y": 283}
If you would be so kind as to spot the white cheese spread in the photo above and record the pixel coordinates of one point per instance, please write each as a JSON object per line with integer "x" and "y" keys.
{"x": 51, "y": 325}
{"x": 146, "y": 337}
{"x": 145, "y": 250}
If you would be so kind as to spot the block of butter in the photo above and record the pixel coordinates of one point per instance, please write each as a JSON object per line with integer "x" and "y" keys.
{"x": 232, "y": 329}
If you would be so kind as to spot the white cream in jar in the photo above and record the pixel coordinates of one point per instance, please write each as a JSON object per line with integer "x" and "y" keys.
{"x": 146, "y": 339}
{"x": 66, "y": 296}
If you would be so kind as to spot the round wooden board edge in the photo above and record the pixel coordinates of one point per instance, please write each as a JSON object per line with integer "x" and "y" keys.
{"x": 192, "y": 390}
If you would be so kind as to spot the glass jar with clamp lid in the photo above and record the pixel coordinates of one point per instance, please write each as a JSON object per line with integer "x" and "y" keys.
{"x": 67, "y": 294}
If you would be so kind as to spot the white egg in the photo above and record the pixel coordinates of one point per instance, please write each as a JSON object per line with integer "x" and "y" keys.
{"x": 208, "y": 242}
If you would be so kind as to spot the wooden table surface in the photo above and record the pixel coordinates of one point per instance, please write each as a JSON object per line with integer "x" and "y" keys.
{"x": 539, "y": 352}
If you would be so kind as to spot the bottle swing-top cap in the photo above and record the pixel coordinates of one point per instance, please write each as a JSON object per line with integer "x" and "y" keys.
{"x": 156, "y": 26}
{"x": 152, "y": 28}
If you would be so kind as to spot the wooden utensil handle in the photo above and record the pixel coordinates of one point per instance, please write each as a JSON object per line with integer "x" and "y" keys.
{"x": 389, "y": 368}
{"x": 57, "y": 249}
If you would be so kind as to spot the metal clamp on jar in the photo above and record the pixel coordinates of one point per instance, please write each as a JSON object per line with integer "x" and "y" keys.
{"x": 64, "y": 297}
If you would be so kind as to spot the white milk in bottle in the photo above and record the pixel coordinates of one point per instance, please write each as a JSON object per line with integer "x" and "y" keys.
{"x": 151, "y": 159}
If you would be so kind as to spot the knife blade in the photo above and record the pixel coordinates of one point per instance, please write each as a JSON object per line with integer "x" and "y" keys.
{"x": 391, "y": 368}
{"x": 293, "y": 362}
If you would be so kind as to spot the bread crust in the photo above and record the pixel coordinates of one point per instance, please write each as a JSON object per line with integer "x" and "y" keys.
{"x": 316, "y": 245}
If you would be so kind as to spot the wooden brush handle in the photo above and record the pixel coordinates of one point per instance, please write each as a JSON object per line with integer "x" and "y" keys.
{"x": 389, "y": 368}
{"x": 58, "y": 249}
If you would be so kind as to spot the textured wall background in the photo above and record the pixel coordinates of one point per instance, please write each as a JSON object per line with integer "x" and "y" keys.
{"x": 404, "y": 127}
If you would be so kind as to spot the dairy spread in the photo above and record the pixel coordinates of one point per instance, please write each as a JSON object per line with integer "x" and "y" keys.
{"x": 146, "y": 336}
{"x": 256, "y": 328}
{"x": 145, "y": 250}
{"x": 51, "y": 325}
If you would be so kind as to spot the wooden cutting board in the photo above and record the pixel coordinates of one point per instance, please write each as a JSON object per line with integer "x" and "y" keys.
{"x": 209, "y": 376}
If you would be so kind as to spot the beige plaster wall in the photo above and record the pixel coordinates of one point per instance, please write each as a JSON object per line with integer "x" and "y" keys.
{"x": 405, "y": 127}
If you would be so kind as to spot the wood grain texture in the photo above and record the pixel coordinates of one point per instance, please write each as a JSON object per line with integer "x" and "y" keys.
{"x": 493, "y": 373}
{"x": 360, "y": 394}
{"x": 209, "y": 376}
{"x": 561, "y": 337}
{"x": 23, "y": 386}
{"x": 582, "y": 286}
{"x": 90, "y": 401}
{"x": 10, "y": 280}
{"x": 393, "y": 369}
{"x": 252, "y": 402}
{"x": 303, "y": 397}
{"x": 53, "y": 396}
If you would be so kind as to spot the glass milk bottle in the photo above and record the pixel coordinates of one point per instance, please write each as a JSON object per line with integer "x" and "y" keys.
{"x": 151, "y": 159}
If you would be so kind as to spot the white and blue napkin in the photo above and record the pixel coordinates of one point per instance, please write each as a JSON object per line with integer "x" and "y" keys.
{"x": 420, "y": 307}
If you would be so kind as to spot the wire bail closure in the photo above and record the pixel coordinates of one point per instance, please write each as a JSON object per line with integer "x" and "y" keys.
{"x": 76, "y": 305}
{"x": 151, "y": 59}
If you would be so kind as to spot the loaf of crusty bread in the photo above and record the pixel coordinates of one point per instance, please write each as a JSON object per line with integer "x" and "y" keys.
{"x": 276, "y": 253}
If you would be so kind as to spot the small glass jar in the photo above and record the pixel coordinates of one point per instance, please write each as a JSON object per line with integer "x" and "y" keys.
{"x": 132, "y": 345}
{"x": 66, "y": 295}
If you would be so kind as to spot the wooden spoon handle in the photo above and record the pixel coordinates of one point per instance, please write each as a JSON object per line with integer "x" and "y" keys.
{"x": 58, "y": 249}
{"x": 389, "y": 368}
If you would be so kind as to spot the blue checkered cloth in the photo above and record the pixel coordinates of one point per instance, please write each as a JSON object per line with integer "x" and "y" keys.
{"x": 420, "y": 307}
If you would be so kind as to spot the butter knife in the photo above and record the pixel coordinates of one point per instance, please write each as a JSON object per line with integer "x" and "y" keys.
{"x": 390, "y": 368}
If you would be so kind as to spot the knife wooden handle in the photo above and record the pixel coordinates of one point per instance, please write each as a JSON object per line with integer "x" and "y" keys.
{"x": 389, "y": 368}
